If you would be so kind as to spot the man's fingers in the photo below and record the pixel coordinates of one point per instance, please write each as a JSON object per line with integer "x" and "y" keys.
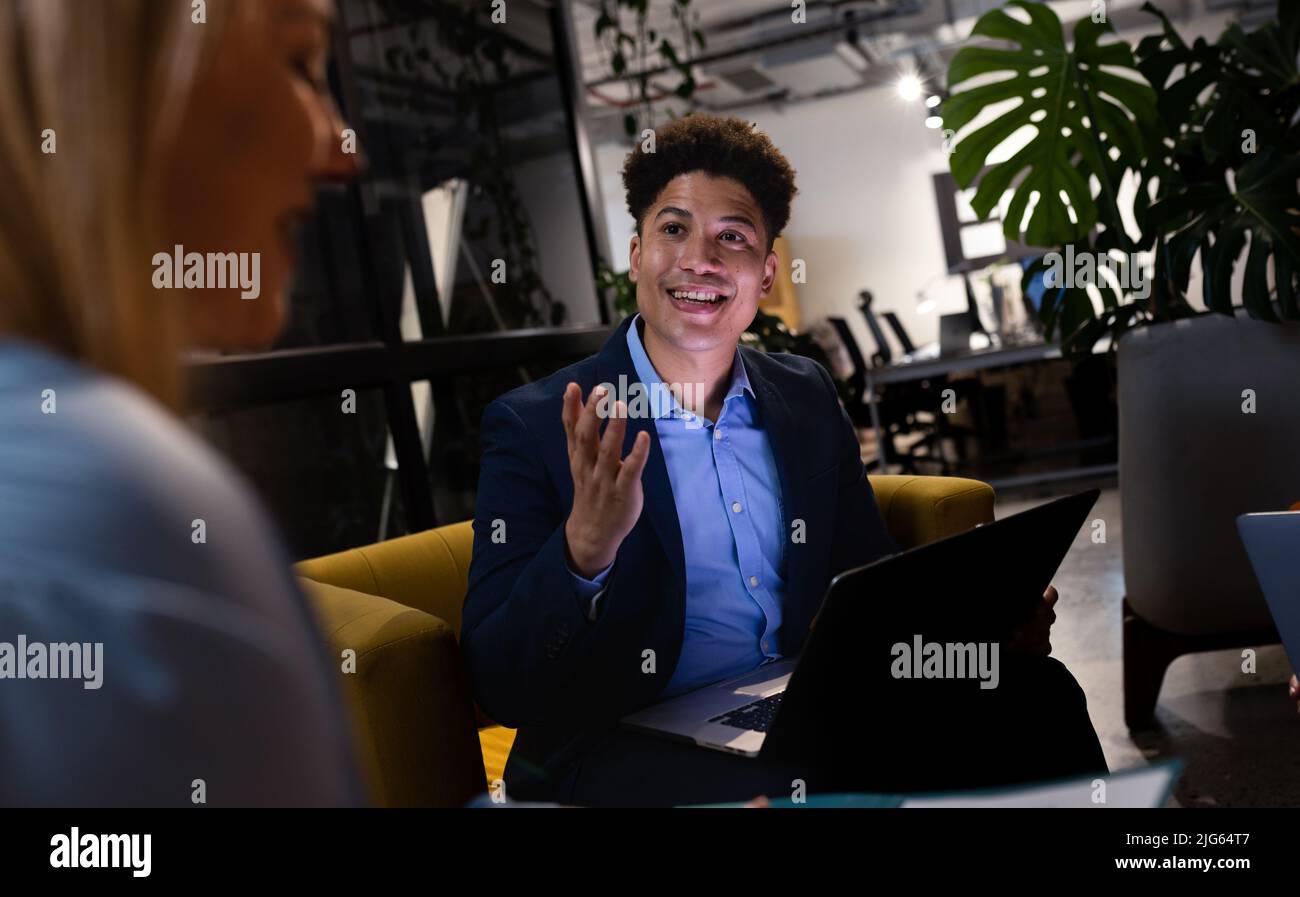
{"x": 588, "y": 429}
{"x": 634, "y": 463}
{"x": 569, "y": 414}
{"x": 579, "y": 459}
{"x": 611, "y": 443}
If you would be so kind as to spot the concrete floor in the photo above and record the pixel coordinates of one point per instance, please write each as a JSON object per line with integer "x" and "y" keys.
{"x": 1237, "y": 734}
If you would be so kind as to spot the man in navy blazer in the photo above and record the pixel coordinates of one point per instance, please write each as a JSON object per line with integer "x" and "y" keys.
{"x": 692, "y": 538}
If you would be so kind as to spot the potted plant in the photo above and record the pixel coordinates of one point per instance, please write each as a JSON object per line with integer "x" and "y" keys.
{"x": 1209, "y": 417}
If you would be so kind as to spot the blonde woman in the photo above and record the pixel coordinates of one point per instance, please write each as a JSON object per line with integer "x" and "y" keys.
{"x": 142, "y": 663}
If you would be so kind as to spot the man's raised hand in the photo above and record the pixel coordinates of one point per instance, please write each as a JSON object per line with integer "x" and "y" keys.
{"x": 607, "y": 495}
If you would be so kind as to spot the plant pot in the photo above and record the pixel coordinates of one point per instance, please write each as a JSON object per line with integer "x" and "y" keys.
{"x": 1192, "y": 457}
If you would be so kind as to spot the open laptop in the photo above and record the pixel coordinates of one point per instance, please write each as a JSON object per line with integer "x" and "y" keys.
{"x": 977, "y": 585}
{"x": 1272, "y": 541}
{"x": 955, "y": 331}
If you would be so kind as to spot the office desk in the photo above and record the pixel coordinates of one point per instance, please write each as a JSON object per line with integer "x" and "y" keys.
{"x": 978, "y": 360}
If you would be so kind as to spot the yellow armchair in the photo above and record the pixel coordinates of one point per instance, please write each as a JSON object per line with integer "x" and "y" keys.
{"x": 397, "y": 606}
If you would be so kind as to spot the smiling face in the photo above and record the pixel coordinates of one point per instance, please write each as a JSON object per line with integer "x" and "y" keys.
{"x": 259, "y": 132}
{"x": 701, "y": 263}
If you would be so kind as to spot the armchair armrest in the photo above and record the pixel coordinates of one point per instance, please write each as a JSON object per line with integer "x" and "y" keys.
{"x": 918, "y": 510}
{"x": 410, "y": 702}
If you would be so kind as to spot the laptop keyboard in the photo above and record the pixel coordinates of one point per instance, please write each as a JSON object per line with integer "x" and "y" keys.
{"x": 755, "y": 716}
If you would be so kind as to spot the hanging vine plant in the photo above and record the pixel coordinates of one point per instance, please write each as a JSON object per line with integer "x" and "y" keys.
{"x": 628, "y": 55}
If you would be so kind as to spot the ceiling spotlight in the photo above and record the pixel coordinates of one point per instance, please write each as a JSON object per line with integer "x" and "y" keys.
{"x": 933, "y": 121}
{"x": 909, "y": 88}
{"x": 933, "y": 100}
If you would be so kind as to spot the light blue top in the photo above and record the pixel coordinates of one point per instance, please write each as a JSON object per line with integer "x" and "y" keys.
{"x": 211, "y": 667}
{"x": 728, "y": 494}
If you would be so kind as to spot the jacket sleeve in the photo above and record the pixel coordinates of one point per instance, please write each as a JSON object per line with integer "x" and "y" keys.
{"x": 860, "y": 534}
{"x": 531, "y": 646}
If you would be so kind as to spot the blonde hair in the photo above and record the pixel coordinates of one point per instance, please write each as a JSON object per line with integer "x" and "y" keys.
{"x": 108, "y": 81}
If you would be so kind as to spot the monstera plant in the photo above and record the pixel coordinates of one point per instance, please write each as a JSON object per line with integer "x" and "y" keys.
{"x": 1230, "y": 169}
{"x": 1208, "y": 131}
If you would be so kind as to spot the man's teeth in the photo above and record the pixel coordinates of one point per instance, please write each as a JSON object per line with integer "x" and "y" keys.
{"x": 697, "y": 297}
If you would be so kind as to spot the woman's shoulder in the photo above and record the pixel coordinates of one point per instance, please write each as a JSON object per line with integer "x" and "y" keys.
{"x": 95, "y": 470}
{"x": 102, "y": 422}
{"x": 103, "y": 442}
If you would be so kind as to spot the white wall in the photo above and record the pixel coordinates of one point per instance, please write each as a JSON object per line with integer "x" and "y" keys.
{"x": 865, "y": 216}
{"x": 618, "y": 222}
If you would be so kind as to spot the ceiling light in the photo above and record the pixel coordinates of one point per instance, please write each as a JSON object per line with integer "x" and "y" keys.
{"x": 909, "y": 88}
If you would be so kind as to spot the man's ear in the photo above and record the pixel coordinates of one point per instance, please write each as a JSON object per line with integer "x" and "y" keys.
{"x": 633, "y": 257}
{"x": 769, "y": 274}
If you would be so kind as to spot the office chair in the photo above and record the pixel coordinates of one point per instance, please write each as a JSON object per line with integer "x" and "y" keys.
{"x": 900, "y": 333}
{"x": 857, "y": 381}
{"x": 902, "y": 409}
{"x": 882, "y": 356}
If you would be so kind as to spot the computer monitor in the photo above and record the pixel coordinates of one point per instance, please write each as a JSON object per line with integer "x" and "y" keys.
{"x": 954, "y": 333}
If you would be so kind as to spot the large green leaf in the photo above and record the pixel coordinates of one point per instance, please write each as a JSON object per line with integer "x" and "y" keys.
{"x": 1254, "y": 89}
{"x": 1084, "y": 111}
{"x": 1216, "y": 220}
{"x": 1066, "y": 311}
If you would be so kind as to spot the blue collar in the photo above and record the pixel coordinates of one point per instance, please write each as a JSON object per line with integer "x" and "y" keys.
{"x": 646, "y": 373}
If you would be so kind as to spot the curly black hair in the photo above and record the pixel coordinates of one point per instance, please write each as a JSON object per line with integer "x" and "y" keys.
{"x": 725, "y": 147}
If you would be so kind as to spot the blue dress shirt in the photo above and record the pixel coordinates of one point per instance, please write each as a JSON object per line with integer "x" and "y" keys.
{"x": 728, "y": 495}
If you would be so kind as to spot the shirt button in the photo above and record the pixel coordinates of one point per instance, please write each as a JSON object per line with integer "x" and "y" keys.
{"x": 753, "y": 580}
{"x": 735, "y": 507}
{"x": 764, "y": 644}
{"x": 717, "y": 434}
